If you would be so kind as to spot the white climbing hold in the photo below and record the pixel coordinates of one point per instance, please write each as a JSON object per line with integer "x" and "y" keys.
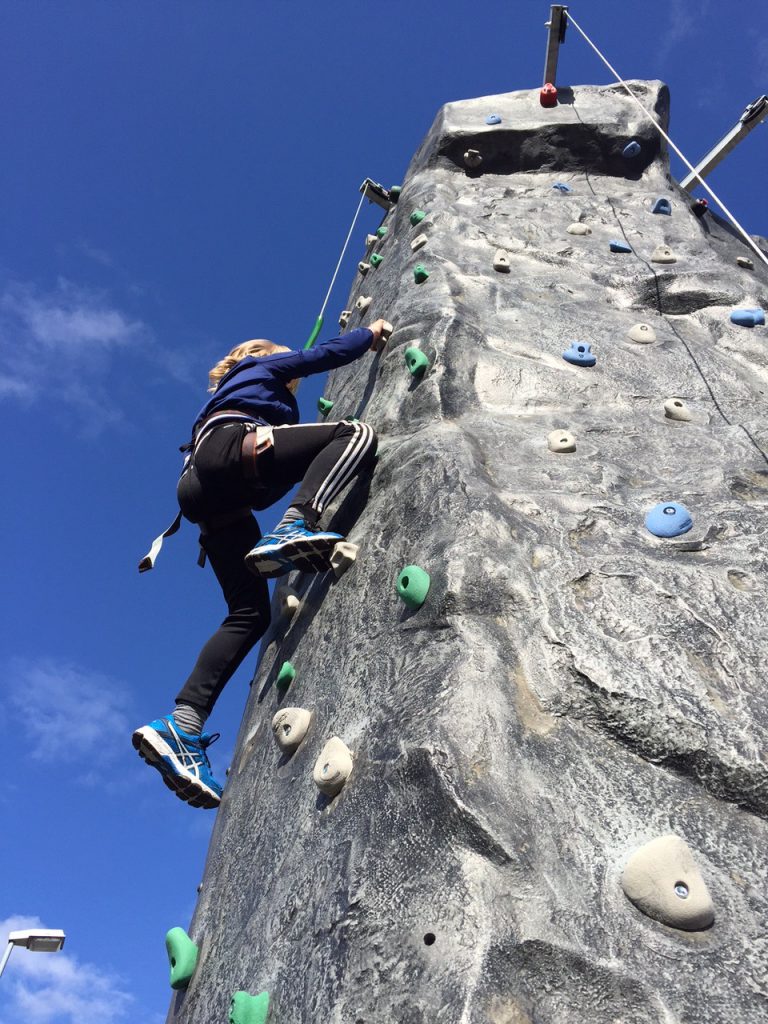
{"x": 663, "y": 881}
{"x": 289, "y": 602}
{"x": 363, "y": 267}
{"x": 676, "y": 409}
{"x": 472, "y": 158}
{"x": 643, "y": 334}
{"x": 746, "y": 262}
{"x": 333, "y": 767}
{"x": 501, "y": 261}
{"x": 663, "y": 254}
{"x": 344, "y": 318}
{"x": 343, "y": 557}
{"x": 290, "y": 726}
{"x": 418, "y": 242}
{"x": 371, "y": 240}
{"x": 363, "y": 303}
{"x": 578, "y": 229}
{"x": 561, "y": 441}
{"x": 386, "y": 334}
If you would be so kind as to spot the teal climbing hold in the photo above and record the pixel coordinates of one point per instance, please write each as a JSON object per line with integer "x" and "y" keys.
{"x": 394, "y": 192}
{"x": 248, "y": 1009}
{"x": 417, "y": 217}
{"x": 413, "y": 586}
{"x": 285, "y": 676}
{"x": 619, "y": 246}
{"x": 420, "y": 273}
{"x": 376, "y": 259}
{"x": 580, "y": 354}
{"x": 662, "y": 206}
{"x": 381, "y": 231}
{"x": 416, "y": 361}
{"x": 631, "y": 149}
{"x": 493, "y": 119}
{"x": 562, "y": 187}
{"x": 324, "y": 405}
{"x": 669, "y": 519}
{"x": 182, "y": 956}
{"x": 748, "y": 317}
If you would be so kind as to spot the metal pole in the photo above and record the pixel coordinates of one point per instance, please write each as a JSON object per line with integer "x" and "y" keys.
{"x": 6, "y": 954}
{"x": 753, "y": 116}
{"x": 556, "y": 25}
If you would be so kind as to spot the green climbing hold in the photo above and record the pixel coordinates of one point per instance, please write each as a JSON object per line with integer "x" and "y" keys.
{"x": 248, "y": 1009}
{"x": 413, "y": 586}
{"x": 182, "y": 956}
{"x": 417, "y": 217}
{"x": 416, "y": 361}
{"x": 285, "y": 676}
{"x": 376, "y": 259}
{"x": 394, "y": 192}
{"x": 324, "y": 405}
{"x": 381, "y": 231}
{"x": 420, "y": 273}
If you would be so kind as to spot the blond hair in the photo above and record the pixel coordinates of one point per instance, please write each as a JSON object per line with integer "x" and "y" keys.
{"x": 257, "y": 347}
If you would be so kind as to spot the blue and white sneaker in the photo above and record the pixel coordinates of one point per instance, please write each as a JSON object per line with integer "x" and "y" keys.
{"x": 181, "y": 759}
{"x": 295, "y": 546}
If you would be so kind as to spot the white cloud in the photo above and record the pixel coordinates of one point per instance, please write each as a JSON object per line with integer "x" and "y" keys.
{"x": 67, "y": 713}
{"x": 681, "y": 26}
{"x": 56, "y": 988}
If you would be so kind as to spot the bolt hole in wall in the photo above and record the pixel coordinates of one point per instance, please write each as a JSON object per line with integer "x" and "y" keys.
{"x": 681, "y": 890}
{"x": 430, "y": 939}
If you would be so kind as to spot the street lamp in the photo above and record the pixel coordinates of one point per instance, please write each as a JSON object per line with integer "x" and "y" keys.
{"x": 37, "y": 940}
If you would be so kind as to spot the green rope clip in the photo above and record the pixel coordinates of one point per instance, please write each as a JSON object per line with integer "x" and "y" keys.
{"x": 394, "y": 192}
{"x": 416, "y": 361}
{"x": 324, "y": 405}
{"x": 376, "y": 259}
{"x": 285, "y": 676}
{"x": 413, "y": 586}
{"x": 248, "y": 1009}
{"x": 420, "y": 273}
{"x": 381, "y": 231}
{"x": 417, "y": 217}
{"x": 182, "y": 956}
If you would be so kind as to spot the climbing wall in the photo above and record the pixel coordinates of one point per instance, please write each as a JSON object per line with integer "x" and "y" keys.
{"x": 557, "y": 805}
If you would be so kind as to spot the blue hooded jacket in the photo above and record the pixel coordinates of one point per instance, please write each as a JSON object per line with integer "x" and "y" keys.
{"x": 257, "y": 385}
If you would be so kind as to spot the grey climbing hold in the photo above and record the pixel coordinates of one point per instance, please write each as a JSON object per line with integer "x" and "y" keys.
{"x": 561, "y": 441}
{"x": 417, "y": 217}
{"x": 662, "y": 206}
{"x": 247, "y": 1009}
{"x": 418, "y": 242}
{"x": 371, "y": 240}
{"x": 200, "y": 887}
{"x": 663, "y": 254}
{"x": 416, "y": 361}
{"x": 290, "y": 726}
{"x": 344, "y": 318}
{"x": 288, "y": 601}
{"x": 748, "y": 317}
{"x": 578, "y": 229}
{"x": 746, "y": 262}
{"x": 333, "y": 767}
{"x": 664, "y": 882}
{"x": 376, "y": 259}
{"x": 580, "y": 354}
{"x": 343, "y": 557}
{"x": 493, "y": 119}
{"x": 501, "y": 261}
{"x": 363, "y": 303}
{"x": 676, "y": 409}
{"x": 643, "y": 334}
{"x": 363, "y": 267}
{"x": 473, "y": 158}
{"x": 668, "y": 519}
{"x": 562, "y": 187}
{"x": 616, "y": 246}
{"x": 631, "y": 149}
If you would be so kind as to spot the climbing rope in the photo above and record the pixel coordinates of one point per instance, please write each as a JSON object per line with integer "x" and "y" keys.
{"x": 750, "y": 242}
{"x": 319, "y": 322}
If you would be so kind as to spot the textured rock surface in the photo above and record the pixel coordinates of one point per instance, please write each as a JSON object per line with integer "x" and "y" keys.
{"x": 573, "y": 687}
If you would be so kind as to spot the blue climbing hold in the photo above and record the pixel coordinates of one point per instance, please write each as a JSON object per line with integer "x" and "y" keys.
{"x": 631, "y": 149}
{"x": 562, "y": 187}
{"x": 493, "y": 119}
{"x": 662, "y": 206}
{"x": 580, "y": 354}
{"x": 619, "y": 246}
{"x": 669, "y": 519}
{"x": 748, "y": 317}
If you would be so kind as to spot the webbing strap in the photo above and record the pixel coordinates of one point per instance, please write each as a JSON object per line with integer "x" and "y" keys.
{"x": 148, "y": 561}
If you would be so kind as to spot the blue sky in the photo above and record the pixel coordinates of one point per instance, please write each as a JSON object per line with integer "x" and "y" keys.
{"x": 178, "y": 177}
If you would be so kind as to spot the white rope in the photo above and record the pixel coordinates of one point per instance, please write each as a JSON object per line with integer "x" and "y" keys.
{"x": 343, "y": 251}
{"x": 750, "y": 242}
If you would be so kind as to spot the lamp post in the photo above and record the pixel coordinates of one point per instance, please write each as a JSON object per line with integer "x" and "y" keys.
{"x": 37, "y": 940}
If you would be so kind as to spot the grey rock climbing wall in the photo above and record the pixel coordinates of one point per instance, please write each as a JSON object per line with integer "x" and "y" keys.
{"x": 573, "y": 687}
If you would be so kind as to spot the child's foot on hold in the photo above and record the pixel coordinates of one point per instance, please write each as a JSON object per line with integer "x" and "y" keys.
{"x": 292, "y": 547}
{"x": 181, "y": 759}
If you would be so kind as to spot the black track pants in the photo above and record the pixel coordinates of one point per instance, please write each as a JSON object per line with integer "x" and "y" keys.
{"x": 324, "y": 457}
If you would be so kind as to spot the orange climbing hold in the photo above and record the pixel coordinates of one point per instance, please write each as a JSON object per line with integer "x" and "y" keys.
{"x": 548, "y": 96}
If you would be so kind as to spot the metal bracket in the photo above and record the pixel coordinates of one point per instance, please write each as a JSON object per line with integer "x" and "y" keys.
{"x": 376, "y": 193}
{"x": 754, "y": 115}
{"x": 557, "y": 24}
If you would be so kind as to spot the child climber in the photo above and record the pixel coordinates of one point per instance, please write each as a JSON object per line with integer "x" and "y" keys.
{"x": 247, "y": 451}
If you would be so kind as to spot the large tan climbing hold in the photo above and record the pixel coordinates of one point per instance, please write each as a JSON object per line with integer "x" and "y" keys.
{"x": 746, "y": 262}
{"x": 363, "y": 303}
{"x": 643, "y": 334}
{"x": 663, "y": 254}
{"x": 501, "y": 261}
{"x": 381, "y": 341}
{"x": 371, "y": 240}
{"x": 418, "y": 242}
{"x": 663, "y": 881}
{"x": 289, "y": 602}
{"x": 561, "y": 441}
{"x": 578, "y": 229}
{"x": 333, "y": 767}
{"x": 344, "y": 318}
{"x": 676, "y": 409}
{"x": 290, "y": 726}
{"x": 343, "y": 557}
{"x": 363, "y": 267}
